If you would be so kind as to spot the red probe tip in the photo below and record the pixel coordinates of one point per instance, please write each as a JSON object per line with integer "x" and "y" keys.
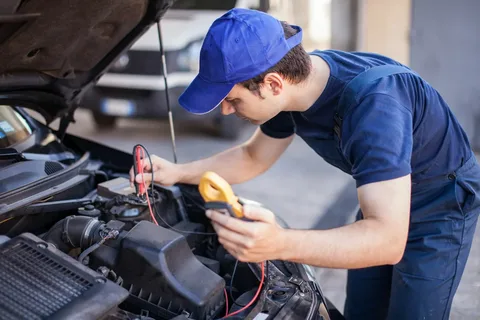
{"x": 138, "y": 163}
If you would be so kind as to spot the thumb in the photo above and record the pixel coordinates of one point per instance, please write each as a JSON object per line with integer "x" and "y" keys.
{"x": 258, "y": 213}
{"x": 147, "y": 177}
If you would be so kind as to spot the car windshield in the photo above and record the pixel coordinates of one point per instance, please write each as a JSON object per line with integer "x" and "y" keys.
{"x": 13, "y": 127}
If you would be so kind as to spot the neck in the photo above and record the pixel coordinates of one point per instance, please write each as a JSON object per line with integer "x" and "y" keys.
{"x": 304, "y": 94}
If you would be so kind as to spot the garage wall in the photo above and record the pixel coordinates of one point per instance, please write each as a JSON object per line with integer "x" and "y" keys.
{"x": 384, "y": 27}
{"x": 445, "y": 50}
{"x": 313, "y": 16}
{"x": 344, "y": 15}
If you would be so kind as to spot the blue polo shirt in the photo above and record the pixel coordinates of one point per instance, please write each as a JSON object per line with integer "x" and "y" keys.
{"x": 400, "y": 126}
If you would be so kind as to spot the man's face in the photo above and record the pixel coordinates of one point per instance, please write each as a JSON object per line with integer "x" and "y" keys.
{"x": 256, "y": 107}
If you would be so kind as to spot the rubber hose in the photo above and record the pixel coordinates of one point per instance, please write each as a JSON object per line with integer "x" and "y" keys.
{"x": 74, "y": 232}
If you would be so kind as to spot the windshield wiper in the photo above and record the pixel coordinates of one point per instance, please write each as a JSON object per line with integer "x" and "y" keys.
{"x": 12, "y": 154}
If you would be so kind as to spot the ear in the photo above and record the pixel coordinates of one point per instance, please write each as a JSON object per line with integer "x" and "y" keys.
{"x": 274, "y": 83}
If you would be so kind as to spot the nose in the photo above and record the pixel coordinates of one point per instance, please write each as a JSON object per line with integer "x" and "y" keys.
{"x": 227, "y": 108}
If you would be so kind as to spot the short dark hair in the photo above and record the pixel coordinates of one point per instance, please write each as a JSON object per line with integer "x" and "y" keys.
{"x": 294, "y": 66}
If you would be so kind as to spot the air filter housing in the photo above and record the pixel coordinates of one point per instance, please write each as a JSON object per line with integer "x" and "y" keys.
{"x": 38, "y": 281}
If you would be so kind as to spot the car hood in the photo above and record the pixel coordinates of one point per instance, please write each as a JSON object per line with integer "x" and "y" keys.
{"x": 59, "y": 48}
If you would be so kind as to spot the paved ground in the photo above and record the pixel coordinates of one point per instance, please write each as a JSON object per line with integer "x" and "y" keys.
{"x": 300, "y": 187}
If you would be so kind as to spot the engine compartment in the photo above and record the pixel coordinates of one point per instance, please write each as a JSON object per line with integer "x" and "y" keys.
{"x": 155, "y": 265}
{"x": 177, "y": 269}
{"x": 174, "y": 269}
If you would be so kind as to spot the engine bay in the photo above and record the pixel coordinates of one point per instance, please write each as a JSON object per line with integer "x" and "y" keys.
{"x": 174, "y": 270}
{"x": 76, "y": 233}
{"x": 158, "y": 266}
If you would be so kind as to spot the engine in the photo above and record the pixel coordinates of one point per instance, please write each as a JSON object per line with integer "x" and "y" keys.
{"x": 165, "y": 268}
{"x": 154, "y": 264}
{"x": 102, "y": 252}
{"x": 160, "y": 271}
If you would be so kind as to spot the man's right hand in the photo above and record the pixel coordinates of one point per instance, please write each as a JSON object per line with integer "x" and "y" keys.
{"x": 165, "y": 172}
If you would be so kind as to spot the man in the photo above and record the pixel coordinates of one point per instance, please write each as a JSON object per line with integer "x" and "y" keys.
{"x": 366, "y": 114}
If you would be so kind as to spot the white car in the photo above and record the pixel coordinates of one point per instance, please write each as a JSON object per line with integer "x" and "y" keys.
{"x": 134, "y": 85}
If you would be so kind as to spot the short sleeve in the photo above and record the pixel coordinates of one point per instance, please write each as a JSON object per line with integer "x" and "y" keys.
{"x": 377, "y": 139}
{"x": 281, "y": 126}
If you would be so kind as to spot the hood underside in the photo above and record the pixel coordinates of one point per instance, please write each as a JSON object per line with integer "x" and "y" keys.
{"x": 63, "y": 46}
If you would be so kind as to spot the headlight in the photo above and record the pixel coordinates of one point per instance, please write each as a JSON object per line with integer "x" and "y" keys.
{"x": 188, "y": 58}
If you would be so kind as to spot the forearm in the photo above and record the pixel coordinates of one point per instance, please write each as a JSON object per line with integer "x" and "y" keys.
{"x": 362, "y": 244}
{"x": 235, "y": 165}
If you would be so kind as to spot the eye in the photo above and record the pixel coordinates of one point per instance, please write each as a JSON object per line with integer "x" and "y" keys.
{"x": 233, "y": 102}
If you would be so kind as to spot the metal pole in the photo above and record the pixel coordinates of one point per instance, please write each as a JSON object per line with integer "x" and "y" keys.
{"x": 164, "y": 71}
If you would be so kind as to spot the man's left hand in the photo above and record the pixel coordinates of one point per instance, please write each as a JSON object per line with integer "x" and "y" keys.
{"x": 250, "y": 241}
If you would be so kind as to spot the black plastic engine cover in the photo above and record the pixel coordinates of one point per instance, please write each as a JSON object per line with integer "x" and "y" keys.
{"x": 159, "y": 263}
{"x": 38, "y": 281}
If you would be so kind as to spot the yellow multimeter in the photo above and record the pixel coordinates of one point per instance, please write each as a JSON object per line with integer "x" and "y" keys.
{"x": 219, "y": 195}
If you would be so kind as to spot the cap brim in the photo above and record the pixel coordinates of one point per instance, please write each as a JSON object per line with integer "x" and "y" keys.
{"x": 201, "y": 96}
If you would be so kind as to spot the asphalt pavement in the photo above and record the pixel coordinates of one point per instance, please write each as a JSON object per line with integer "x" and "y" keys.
{"x": 301, "y": 188}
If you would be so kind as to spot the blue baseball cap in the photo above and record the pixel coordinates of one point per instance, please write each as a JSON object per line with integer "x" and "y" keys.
{"x": 240, "y": 45}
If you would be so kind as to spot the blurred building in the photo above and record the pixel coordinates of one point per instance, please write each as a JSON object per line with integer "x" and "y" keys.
{"x": 312, "y": 15}
{"x": 437, "y": 38}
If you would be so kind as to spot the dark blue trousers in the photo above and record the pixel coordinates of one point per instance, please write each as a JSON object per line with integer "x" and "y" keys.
{"x": 444, "y": 215}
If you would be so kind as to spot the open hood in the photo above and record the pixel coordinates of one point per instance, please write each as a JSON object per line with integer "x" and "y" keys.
{"x": 52, "y": 51}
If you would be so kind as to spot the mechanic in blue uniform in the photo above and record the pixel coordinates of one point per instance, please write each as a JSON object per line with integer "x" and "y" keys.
{"x": 417, "y": 178}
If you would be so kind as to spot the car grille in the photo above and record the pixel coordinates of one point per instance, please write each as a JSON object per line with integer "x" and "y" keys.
{"x": 33, "y": 285}
{"x": 39, "y": 282}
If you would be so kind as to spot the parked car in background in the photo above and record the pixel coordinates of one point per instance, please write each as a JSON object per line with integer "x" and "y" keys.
{"x": 134, "y": 85}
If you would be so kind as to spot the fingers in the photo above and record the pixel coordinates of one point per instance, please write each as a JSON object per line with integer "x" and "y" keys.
{"x": 236, "y": 244}
{"x": 227, "y": 235}
{"x": 140, "y": 178}
{"x": 237, "y": 252}
{"x": 158, "y": 167}
{"x": 231, "y": 223}
{"x": 257, "y": 213}
{"x": 145, "y": 163}
{"x": 243, "y": 253}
